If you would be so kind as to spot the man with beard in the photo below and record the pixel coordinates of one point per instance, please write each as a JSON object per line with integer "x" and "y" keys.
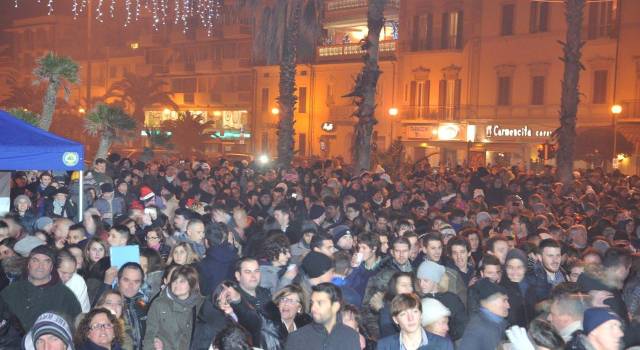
{"x": 547, "y": 273}
{"x": 325, "y": 332}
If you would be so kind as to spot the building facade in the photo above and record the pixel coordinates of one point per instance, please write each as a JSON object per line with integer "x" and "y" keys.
{"x": 471, "y": 81}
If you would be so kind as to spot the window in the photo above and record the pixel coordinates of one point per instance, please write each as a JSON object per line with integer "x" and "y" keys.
{"x": 539, "y": 17}
{"x": 449, "y": 98}
{"x": 302, "y": 144}
{"x": 508, "y": 12}
{"x": 451, "y": 36}
{"x": 601, "y": 17}
{"x": 265, "y": 141}
{"x": 419, "y": 97}
{"x": 264, "y": 107}
{"x": 422, "y": 32}
{"x": 600, "y": 86}
{"x": 537, "y": 90}
{"x": 302, "y": 100}
{"x": 504, "y": 91}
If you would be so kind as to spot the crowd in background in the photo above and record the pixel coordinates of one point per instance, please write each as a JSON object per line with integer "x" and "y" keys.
{"x": 235, "y": 255}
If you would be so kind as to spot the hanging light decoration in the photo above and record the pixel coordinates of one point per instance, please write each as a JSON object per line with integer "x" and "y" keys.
{"x": 184, "y": 11}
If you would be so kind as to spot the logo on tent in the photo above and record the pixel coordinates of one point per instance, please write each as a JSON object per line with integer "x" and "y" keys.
{"x": 70, "y": 158}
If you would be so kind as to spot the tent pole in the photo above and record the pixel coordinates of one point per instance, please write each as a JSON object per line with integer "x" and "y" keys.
{"x": 81, "y": 196}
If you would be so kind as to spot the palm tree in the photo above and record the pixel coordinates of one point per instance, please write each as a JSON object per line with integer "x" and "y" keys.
{"x": 58, "y": 71}
{"x": 110, "y": 122}
{"x": 364, "y": 91}
{"x": 139, "y": 92}
{"x": 189, "y": 132}
{"x": 570, "y": 98}
{"x": 25, "y": 115}
{"x": 286, "y": 28}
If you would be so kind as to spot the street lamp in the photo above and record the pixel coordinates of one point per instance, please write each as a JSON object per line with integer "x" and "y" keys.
{"x": 81, "y": 110}
{"x": 275, "y": 110}
{"x": 615, "y": 111}
{"x": 393, "y": 112}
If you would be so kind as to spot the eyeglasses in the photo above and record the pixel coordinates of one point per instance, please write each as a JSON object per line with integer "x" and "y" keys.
{"x": 289, "y": 301}
{"x": 101, "y": 326}
{"x": 153, "y": 238}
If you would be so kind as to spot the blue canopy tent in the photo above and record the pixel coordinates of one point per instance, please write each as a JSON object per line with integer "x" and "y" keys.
{"x": 26, "y": 147}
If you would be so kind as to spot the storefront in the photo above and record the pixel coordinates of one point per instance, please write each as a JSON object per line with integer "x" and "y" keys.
{"x": 230, "y": 131}
{"x": 475, "y": 143}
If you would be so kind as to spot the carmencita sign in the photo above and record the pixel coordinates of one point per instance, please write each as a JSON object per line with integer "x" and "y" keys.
{"x": 524, "y": 131}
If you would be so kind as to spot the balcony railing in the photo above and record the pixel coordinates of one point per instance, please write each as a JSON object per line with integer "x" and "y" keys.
{"x": 630, "y": 109}
{"x": 336, "y": 5}
{"x": 354, "y": 50}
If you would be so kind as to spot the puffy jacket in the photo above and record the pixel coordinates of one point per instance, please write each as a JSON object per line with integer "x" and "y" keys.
{"x": 171, "y": 321}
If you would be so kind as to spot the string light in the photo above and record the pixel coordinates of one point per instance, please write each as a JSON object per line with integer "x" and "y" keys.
{"x": 186, "y": 12}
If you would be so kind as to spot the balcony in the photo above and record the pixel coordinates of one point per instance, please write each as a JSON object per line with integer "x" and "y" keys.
{"x": 340, "y": 12}
{"x": 630, "y": 110}
{"x": 354, "y": 51}
{"x": 236, "y": 31}
{"x": 435, "y": 112}
{"x": 337, "y": 5}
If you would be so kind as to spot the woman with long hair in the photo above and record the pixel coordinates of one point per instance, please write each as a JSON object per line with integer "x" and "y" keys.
{"x": 171, "y": 315}
{"x": 113, "y": 301}
{"x": 182, "y": 254}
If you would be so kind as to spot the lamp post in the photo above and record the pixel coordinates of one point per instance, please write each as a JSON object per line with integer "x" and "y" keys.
{"x": 393, "y": 113}
{"x": 615, "y": 111}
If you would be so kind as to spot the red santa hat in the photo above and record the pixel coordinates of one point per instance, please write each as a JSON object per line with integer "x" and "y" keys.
{"x": 146, "y": 193}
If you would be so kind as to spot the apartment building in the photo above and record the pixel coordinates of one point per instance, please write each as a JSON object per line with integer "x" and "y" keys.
{"x": 465, "y": 80}
{"x": 207, "y": 75}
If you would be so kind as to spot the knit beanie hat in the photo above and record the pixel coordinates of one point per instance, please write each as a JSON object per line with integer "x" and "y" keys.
{"x": 487, "y": 289}
{"x": 431, "y": 271}
{"x": 44, "y": 250}
{"x": 50, "y": 323}
{"x": 316, "y": 264}
{"x": 316, "y": 211}
{"x": 517, "y": 254}
{"x": 106, "y": 187}
{"x": 596, "y": 316}
{"x": 433, "y": 310}
{"x": 42, "y": 222}
{"x": 339, "y": 232}
{"x": 27, "y": 244}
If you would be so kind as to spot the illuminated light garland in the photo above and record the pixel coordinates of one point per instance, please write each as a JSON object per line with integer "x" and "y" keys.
{"x": 208, "y": 12}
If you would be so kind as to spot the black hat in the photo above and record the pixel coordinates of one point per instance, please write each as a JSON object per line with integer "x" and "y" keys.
{"x": 586, "y": 283}
{"x": 316, "y": 211}
{"x": 316, "y": 264}
{"x": 44, "y": 250}
{"x": 487, "y": 289}
{"x": 106, "y": 187}
{"x": 62, "y": 190}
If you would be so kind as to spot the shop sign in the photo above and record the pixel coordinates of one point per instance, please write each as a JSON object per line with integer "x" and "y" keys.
{"x": 419, "y": 131}
{"x": 496, "y": 130}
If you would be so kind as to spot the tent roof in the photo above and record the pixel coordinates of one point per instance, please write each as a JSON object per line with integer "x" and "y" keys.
{"x": 26, "y": 147}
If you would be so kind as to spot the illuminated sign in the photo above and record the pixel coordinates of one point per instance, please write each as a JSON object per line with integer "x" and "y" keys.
{"x": 227, "y": 134}
{"x": 328, "y": 126}
{"x": 524, "y": 131}
{"x": 448, "y": 131}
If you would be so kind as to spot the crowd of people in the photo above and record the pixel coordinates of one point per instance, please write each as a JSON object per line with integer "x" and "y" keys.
{"x": 236, "y": 255}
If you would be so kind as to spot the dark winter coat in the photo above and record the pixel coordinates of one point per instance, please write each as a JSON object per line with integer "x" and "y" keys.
{"x": 435, "y": 342}
{"x": 28, "y": 302}
{"x": 209, "y": 323}
{"x": 482, "y": 333}
{"x": 216, "y": 266}
{"x": 314, "y": 336}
